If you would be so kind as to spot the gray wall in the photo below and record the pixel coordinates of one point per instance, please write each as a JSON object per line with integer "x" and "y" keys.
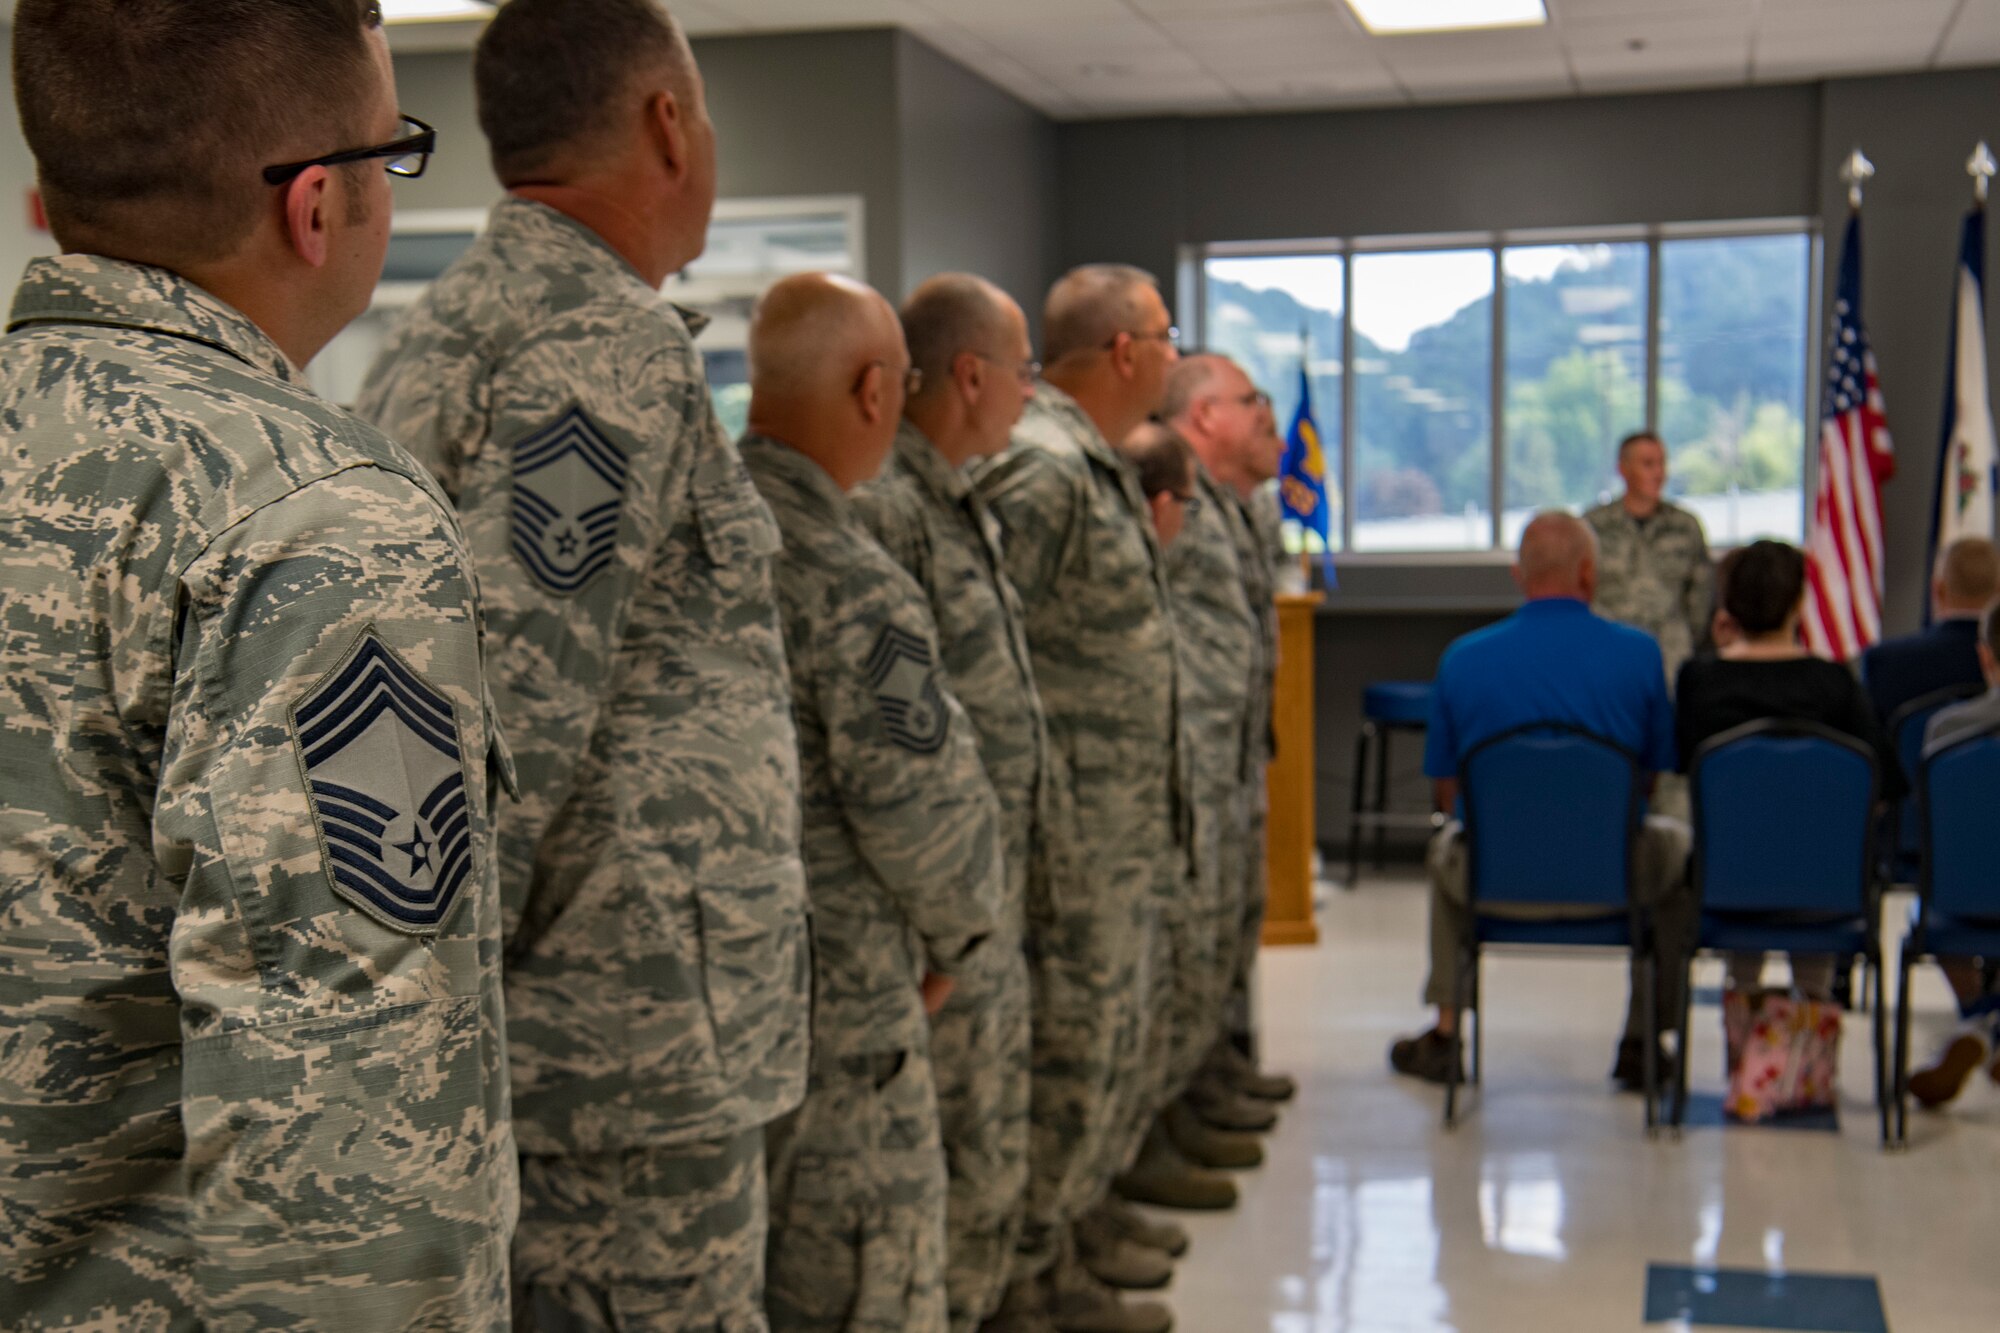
{"x": 978, "y": 177}
{"x": 1137, "y": 190}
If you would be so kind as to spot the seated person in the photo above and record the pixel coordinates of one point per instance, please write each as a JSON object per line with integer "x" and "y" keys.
{"x": 1551, "y": 661}
{"x": 1898, "y": 671}
{"x": 1767, "y": 673}
{"x": 1972, "y": 1045}
{"x": 1165, "y": 465}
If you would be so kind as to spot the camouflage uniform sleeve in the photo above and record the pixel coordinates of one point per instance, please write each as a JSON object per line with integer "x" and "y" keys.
{"x": 1698, "y": 594}
{"x": 323, "y": 811}
{"x": 1037, "y": 504}
{"x": 599, "y": 392}
{"x": 906, "y": 768}
{"x": 885, "y": 511}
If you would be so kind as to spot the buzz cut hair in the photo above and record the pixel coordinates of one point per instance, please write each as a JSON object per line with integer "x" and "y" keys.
{"x": 1163, "y": 459}
{"x": 1969, "y": 568}
{"x": 552, "y": 76}
{"x": 1188, "y": 380}
{"x": 949, "y": 315}
{"x": 1639, "y": 437}
{"x": 151, "y": 121}
{"x": 1090, "y": 306}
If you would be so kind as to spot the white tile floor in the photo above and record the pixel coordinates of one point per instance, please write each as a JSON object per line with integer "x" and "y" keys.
{"x": 1543, "y": 1210}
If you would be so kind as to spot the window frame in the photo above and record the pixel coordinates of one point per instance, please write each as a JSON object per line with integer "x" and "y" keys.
{"x": 1193, "y": 292}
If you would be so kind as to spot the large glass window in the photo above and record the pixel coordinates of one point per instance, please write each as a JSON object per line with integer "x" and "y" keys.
{"x": 1576, "y": 373}
{"x": 1266, "y": 312}
{"x": 1423, "y": 419}
{"x": 1700, "y": 334}
{"x": 1733, "y": 381}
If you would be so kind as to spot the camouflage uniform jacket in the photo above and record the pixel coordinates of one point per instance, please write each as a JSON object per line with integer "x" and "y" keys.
{"x": 1654, "y": 576}
{"x": 1219, "y": 635}
{"x": 927, "y": 515}
{"x": 1081, "y": 552}
{"x": 252, "y": 1060}
{"x": 1260, "y": 549}
{"x": 656, "y": 957}
{"x": 901, "y": 836}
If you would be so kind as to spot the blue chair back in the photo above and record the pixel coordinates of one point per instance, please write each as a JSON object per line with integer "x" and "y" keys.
{"x": 1906, "y": 729}
{"x": 1784, "y": 820}
{"x": 1551, "y": 814}
{"x": 1959, "y": 792}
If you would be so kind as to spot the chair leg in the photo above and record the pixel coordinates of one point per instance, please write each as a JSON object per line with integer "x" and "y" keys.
{"x": 1649, "y": 1013}
{"x": 1468, "y": 961}
{"x": 1686, "y": 965}
{"x": 1357, "y": 802}
{"x": 1902, "y": 1070}
{"x": 1382, "y": 796}
{"x": 1881, "y": 1027}
{"x": 1478, "y": 1015}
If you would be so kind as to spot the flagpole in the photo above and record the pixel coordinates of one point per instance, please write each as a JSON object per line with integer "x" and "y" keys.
{"x": 1855, "y": 171}
{"x": 1982, "y": 168}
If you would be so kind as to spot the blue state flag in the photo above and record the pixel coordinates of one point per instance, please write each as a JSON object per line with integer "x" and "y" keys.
{"x": 1302, "y": 496}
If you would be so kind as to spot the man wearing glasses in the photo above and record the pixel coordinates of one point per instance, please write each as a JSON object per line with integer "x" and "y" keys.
{"x": 249, "y": 963}
{"x": 1082, "y": 554}
{"x": 656, "y": 954}
{"x": 903, "y": 856}
{"x": 970, "y": 341}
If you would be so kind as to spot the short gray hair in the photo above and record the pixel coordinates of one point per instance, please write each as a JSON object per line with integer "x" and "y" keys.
{"x": 950, "y": 314}
{"x": 1090, "y": 306}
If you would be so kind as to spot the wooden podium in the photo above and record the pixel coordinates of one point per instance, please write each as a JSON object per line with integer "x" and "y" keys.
{"x": 1290, "y": 834}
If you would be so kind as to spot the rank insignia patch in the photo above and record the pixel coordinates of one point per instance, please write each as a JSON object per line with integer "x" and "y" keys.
{"x": 386, "y": 778}
{"x": 569, "y": 490}
{"x": 904, "y": 678}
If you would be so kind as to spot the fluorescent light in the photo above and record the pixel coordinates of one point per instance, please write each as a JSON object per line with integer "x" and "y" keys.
{"x": 434, "y": 11}
{"x": 1389, "y": 17}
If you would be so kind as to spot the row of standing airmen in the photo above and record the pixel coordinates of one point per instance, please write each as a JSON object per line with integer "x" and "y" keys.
{"x": 883, "y": 867}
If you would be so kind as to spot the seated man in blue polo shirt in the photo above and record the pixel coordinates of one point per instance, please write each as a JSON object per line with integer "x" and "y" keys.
{"x": 1551, "y": 661}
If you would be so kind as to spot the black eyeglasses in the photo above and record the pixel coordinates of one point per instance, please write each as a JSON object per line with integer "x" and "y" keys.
{"x": 408, "y": 156}
{"x": 1169, "y": 334}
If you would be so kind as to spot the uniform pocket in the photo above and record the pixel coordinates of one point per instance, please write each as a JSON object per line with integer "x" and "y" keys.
{"x": 735, "y": 523}
{"x": 755, "y": 964}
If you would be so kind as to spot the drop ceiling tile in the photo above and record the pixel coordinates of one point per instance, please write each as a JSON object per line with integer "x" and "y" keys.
{"x": 1705, "y": 25}
{"x": 1440, "y": 49}
{"x": 1182, "y": 9}
{"x": 706, "y": 19}
{"x": 1662, "y": 79}
{"x": 1327, "y": 85}
{"x": 1975, "y": 38}
{"x": 1145, "y": 96}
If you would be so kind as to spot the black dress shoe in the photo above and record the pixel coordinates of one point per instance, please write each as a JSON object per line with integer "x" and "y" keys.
{"x": 1427, "y": 1056}
{"x": 1629, "y": 1070}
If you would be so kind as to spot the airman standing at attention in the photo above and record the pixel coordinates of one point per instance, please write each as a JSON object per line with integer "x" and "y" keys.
{"x": 1081, "y": 551}
{"x": 903, "y": 857}
{"x": 254, "y": 1069}
{"x": 657, "y": 972}
{"x": 969, "y": 342}
{"x": 1653, "y": 571}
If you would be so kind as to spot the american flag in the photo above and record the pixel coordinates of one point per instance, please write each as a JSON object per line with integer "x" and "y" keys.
{"x": 1844, "y": 545}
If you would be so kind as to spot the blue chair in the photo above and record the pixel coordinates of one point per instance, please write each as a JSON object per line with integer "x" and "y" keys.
{"x": 1904, "y": 845}
{"x": 1551, "y": 820}
{"x": 1957, "y": 914}
{"x": 1387, "y": 707}
{"x": 1784, "y": 855}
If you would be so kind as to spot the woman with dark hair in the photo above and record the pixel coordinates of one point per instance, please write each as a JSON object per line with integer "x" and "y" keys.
{"x": 1764, "y": 671}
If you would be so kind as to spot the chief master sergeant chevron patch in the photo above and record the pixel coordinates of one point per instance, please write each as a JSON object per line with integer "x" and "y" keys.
{"x": 904, "y": 677}
{"x": 386, "y": 776}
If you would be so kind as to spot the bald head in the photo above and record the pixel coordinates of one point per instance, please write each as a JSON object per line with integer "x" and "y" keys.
{"x": 1968, "y": 576}
{"x": 1090, "y": 306}
{"x": 1558, "y": 557}
{"x": 827, "y": 367}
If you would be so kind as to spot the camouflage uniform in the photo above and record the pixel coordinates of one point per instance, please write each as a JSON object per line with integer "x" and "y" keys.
{"x": 657, "y": 969}
{"x": 1654, "y": 576}
{"x": 928, "y": 517}
{"x": 1219, "y": 641}
{"x": 1080, "y": 549}
{"x": 1260, "y": 550}
{"x": 904, "y": 863}
{"x": 251, "y": 1045}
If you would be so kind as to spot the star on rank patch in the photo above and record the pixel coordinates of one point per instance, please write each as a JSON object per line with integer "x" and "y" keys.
{"x": 904, "y": 678}
{"x": 569, "y": 490}
{"x": 386, "y": 778}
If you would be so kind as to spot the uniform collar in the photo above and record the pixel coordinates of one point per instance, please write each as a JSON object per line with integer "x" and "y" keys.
{"x": 915, "y": 451}
{"x": 526, "y": 222}
{"x": 115, "y": 293}
{"x": 1555, "y": 606}
{"x": 1081, "y": 428}
{"x": 805, "y": 483}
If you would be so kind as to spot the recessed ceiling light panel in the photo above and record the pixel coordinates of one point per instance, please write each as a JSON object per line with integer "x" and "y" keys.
{"x": 434, "y": 11}
{"x": 1387, "y": 18}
